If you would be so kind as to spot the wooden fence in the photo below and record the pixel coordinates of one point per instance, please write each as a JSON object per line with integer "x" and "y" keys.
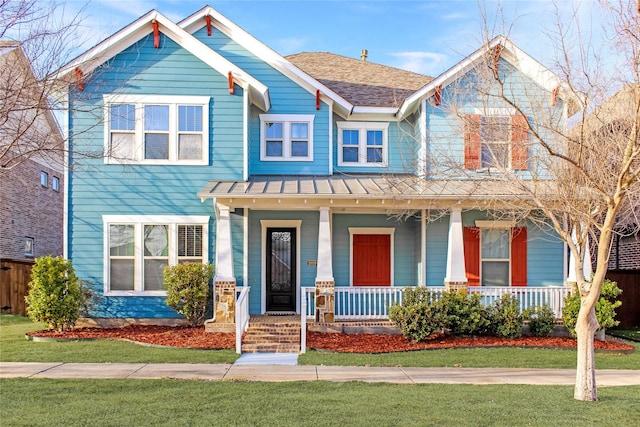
{"x": 15, "y": 276}
{"x": 629, "y": 281}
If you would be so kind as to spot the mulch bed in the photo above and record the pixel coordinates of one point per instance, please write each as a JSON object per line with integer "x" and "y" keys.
{"x": 190, "y": 337}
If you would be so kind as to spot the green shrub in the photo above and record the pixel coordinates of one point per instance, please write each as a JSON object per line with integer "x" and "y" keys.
{"x": 55, "y": 294}
{"x": 605, "y": 307}
{"x": 418, "y": 317}
{"x": 541, "y": 320}
{"x": 506, "y": 320}
{"x": 187, "y": 289}
{"x": 465, "y": 314}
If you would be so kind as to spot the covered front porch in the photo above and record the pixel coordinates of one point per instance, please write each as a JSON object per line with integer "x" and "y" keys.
{"x": 296, "y": 240}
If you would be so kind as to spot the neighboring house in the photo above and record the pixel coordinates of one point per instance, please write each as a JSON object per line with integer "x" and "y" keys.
{"x": 304, "y": 178}
{"x": 31, "y": 177}
{"x": 615, "y": 119}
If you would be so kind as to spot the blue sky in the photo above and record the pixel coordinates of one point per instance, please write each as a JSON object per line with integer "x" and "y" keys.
{"x": 422, "y": 35}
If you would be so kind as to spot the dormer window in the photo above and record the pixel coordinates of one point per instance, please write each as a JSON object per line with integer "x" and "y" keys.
{"x": 286, "y": 137}
{"x": 362, "y": 144}
{"x": 496, "y": 141}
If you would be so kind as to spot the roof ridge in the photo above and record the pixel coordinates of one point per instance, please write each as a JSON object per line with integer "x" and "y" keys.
{"x": 356, "y": 60}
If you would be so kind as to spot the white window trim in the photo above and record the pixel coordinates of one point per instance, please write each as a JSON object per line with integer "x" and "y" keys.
{"x": 55, "y": 183}
{"x": 390, "y": 231}
{"x": 173, "y": 101}
{"x": 362, "y": 128}
{"x": 496, "y": 225}
{"x": 287, "y": 119}
{"x": 265, "y": 223}
{"x": 138, "y": 221}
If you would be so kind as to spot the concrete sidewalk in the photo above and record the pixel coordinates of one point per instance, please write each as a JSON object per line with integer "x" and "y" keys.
{"x": 278, "y": 373}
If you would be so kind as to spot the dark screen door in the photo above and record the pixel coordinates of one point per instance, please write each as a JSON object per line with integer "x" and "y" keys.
{"x": 281, "y": 269}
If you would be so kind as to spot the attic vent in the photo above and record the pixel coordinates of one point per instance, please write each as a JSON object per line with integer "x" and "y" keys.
{"x": 363, "y": 55}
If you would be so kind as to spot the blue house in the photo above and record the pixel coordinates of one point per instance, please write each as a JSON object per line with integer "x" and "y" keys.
{"x": 322, "y": 184}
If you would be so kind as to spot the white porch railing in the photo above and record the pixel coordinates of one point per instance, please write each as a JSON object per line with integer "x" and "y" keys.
{"x": 242, "y": 314}
{"x": 374, "y": 302}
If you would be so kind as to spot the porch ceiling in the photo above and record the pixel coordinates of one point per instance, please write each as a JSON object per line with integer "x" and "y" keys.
{"x": 364, "y": 190}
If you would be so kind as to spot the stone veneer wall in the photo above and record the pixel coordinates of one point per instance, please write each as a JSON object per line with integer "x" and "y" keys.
{"x": 325, "y": 300}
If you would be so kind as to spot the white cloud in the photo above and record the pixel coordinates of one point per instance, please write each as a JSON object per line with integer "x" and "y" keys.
{"x": 287, "y": 46}
{"x": 429, "y": 63}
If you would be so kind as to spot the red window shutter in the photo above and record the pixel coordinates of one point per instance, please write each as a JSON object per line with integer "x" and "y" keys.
{"x": 471, "y": 238}
{"x": 519, "y": 139}
{"x": 371, "y": 260}
{"x": 472, "y": 141}
{"x": 519, "y": 257}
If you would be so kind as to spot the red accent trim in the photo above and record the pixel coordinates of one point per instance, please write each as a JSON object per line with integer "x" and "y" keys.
{"x": 208, "y": 19}
{"x": 496, "y": 56}
{"x": 231, "y": 88}
{"x": 79, "y": 79}
{"x": 519, "y": 257}
{"x": 519, "y": 138}
{"x": 371, "y": 260}
{"x": 156, "y": 34}
{"x": 554, "y": 95}
{"x": 438, "y": 95}
{"x": 317, "y": 99}
{"x": 472, "y": 141}
{"x": 471, "y": 238}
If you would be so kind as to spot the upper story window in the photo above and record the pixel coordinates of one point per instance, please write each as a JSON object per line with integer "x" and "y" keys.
{"x": 362, "y": 144}
{"x": 496, "y": 141}
{"x": 44, "y": 179}
{"x": 137, "y": 248}
{"x": 55, "y": 183}
{"x": 287, "y": 137}
{"x": 157, "y": 129}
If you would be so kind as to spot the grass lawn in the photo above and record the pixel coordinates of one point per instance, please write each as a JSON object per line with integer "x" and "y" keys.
{"x": 193, "y": 403}
{"x": 632, "y": 334}
{"x": 475, "y": 358}
{"x": 14, "y": 347}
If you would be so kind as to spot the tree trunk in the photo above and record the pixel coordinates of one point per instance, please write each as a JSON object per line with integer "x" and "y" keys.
{"x": 586, "y": 326}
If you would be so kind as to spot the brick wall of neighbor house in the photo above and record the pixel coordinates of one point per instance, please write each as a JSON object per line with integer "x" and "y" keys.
{"x": 28, "y": 209}
{"x": 625, "y": 253}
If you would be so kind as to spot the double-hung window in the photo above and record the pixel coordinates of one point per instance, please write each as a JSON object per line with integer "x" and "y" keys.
{"x": 495, "y": 250}
{"x": 496, "y": 139}
{"x": 287, "y": 137}
{"x": 157, "y": 129}
{"x": 362, "y": 144}
{"x": 137, "y": 248}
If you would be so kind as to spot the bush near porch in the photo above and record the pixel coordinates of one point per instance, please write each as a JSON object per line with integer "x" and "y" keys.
{"x": 457, "y": 313}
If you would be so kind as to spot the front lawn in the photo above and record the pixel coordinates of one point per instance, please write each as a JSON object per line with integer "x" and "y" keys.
{"x": 27, "y": 402}
{"x": 14, "y": 347}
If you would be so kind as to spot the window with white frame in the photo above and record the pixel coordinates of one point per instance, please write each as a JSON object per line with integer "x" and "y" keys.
{"x": 286, "y": 137}
{"x": 157, "y": 129}
{"x": 137, "y": 248}
{"x": 495, "y": 141}
{"x": 495, "y": 251}
{"x": 362, "y": 144}
{"x": 44, "y": 179}
{"x": 55, "y": 183}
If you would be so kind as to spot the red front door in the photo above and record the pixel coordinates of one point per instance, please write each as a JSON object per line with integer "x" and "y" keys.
{"x": 371, "y": 260}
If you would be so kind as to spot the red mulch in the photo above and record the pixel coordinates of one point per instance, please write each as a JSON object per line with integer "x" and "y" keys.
{"x": 190, "y": 337}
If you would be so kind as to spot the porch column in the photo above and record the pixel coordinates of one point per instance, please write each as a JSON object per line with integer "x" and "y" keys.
{"x": 224, "y": 279}
{"x": 325, "y": 282}
{"x": 456, "y": 275}
{"x": 587, "y": 268}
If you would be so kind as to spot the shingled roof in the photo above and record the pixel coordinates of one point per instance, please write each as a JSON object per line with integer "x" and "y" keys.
{"x": 362, "y": 83}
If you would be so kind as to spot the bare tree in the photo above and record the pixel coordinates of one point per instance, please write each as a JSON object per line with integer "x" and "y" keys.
{"x": 35, "y": 41}
{"x": 583, "y": 183}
